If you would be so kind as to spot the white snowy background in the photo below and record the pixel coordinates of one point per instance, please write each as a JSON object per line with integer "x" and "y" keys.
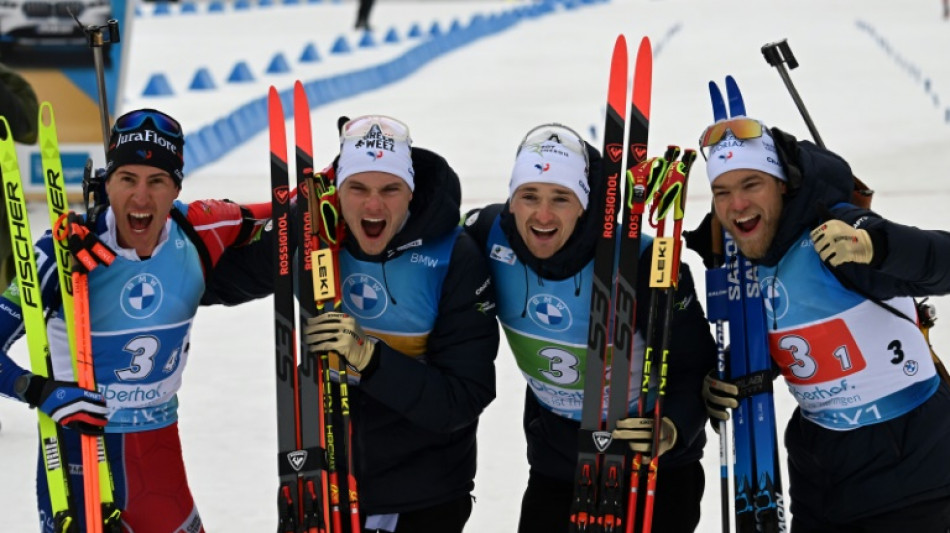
{"x": 873, "y": 74}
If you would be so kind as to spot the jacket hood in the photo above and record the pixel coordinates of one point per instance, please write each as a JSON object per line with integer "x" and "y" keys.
{"x": 433, "y": 211}
{"x": 825, "y": 180}
{"x": 579, "y": 248}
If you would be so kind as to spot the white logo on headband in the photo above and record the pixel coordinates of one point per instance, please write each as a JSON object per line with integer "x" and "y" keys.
{"x": 147, "y": 136}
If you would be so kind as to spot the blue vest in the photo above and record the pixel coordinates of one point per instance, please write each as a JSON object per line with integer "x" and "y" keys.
{"x": 546, "y": 323}
{"x": 847, "y": 361}
{"x": 397, "y": 301}
{"x": 141, "y": 313}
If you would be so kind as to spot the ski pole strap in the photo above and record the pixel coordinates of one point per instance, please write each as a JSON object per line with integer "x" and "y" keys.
{"x": 672, "y": 193}
{"x": 754, "y": 383}
{"x": 326, "y": 215}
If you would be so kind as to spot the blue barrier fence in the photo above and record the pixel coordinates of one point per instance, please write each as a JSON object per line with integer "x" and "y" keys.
{"x": 212, "y": 141}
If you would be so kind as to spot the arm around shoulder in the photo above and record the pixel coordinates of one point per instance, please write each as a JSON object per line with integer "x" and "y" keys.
{"x": 917, "y": 260}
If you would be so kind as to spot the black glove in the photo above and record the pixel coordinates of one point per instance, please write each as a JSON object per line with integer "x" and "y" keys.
{"x": 720, "y": 395}
{"x": 65, "y": 402}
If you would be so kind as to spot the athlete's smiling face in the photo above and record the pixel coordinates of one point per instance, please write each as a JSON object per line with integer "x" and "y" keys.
{"x": 748, "y": 203}
{"x": 375, "y": 206}
{"x": 545, "y": 215}
{"x": 141, "y": 197}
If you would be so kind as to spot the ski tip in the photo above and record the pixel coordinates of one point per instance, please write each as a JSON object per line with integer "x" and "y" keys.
{"x": 620, "y": 51}
{"x": 718, "y": 103}
{"x": 736, "y": 102}
{"x": 617, "y": 86}
{"x": 643, "y": 79}
{"x": 621, "y": 42}
{"x": 645, "y": 47}
{"x": 301, "y": 102}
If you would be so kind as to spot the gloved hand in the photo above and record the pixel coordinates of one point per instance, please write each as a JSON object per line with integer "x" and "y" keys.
{"x": 638, "y": 432}
{"x": 88, "y": 251}
{"x": 66, "y": 403}
{"x": 719, "y": 395}
{"x": 340, "y": 333}
{"x": 838, "y": 242}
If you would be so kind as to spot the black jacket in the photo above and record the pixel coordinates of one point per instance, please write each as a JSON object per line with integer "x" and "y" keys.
{"x": 838, "y": 476}
{"x": 414, "y": 423}
{"x": 552, "y": 439}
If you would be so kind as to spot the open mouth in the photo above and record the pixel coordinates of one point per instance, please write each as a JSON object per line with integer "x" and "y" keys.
{"x": 373, "y": 227}
{"x": 747, "y": 224}
{"x": 139, "y": 222}
{"x": 543, "y": 233}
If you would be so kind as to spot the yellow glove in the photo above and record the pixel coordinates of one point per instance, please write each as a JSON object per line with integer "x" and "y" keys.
{"x": 837, "y": 242}
{"x": 638, "y": 432}
{"x": 338, "y": 332}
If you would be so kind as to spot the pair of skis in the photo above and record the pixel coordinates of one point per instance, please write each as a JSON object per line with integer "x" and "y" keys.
{"x": 309, "y": 481}
{"x": 734, "y": 295}
{"x": 601, "y": 473}
{"x": 101, "y": 514}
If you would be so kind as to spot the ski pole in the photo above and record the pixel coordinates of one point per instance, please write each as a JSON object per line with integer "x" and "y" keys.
{"x": 672, "y": 196}
{"x": 656, "y": 170}
{"x": 331, "y": 231}
{"x": 715, "y": 281}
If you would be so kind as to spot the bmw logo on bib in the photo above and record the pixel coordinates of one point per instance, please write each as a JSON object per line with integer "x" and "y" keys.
{"x": 365, "y": 296}
{"x": 775, "y": 297}
{"x": 549, "y": 312}
{"x": 141, "y": 296}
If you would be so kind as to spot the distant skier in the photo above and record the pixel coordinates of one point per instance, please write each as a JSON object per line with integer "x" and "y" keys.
{"x": 362, "y": 15}
{"x": 540, "y": 245}
{"x": 142, "y": 307}
{"x": 869, "y": 444}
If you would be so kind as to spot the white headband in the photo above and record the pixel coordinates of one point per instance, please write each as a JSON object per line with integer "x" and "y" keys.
{"x": 553, "y": 154}
{"x": 375, "y": 143}
{"x": 756, "y": 154}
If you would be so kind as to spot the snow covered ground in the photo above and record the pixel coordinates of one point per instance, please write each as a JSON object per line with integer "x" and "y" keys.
{"x": 870, "y": 74}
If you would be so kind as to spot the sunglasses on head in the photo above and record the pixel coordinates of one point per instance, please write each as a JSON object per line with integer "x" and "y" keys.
{"x": 742, "y": 128}
{"x": 558, "y": 133}
{"x": 388, "y": 127}
{"x": 134, "y": 120}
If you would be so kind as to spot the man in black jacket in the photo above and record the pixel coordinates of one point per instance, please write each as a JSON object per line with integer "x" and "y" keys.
{"x": 869, "y": 444}
{"x": 540, "y": 246}
{"x": 418, "y": 325}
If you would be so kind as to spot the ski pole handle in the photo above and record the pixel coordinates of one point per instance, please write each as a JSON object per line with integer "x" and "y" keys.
{"x": 778, "y": 54}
